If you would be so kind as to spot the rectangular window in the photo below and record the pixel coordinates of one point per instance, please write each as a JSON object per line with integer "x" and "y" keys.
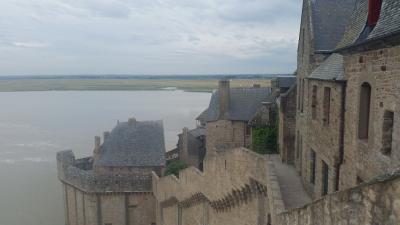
{"x": 298, "y": 145}
{"x": 314, "y": 102}
{"x": 327, "y": 105}
{"x": 303, "y": 41}
{"x": 248, "y": 130}
{"x": 298, "y": 95}
{"x": 312, "y": 166}
{"x": 387, "y": 132}
{"x": 302, "y": 95}
{"x": 325, "y": 178}
{"x": 364, "y": 111}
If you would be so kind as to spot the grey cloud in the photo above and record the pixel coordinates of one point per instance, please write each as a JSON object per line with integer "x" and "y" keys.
{"x": 148, "y": 36}
{"x": 28, "y": 44}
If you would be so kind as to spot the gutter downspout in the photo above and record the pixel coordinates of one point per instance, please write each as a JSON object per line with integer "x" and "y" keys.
{"x": 341, "y": 135}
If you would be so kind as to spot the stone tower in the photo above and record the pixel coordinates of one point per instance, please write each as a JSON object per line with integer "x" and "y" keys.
{"x": 114, "y": 187}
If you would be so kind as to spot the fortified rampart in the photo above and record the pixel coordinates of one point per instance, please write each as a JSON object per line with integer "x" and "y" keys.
{"x": 375, "y": 202}
{"x": 237, "y": 187}
{"x": 98, "y": 199}
{"x": 78, "y": 173}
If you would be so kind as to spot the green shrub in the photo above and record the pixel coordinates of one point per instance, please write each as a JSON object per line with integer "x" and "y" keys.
{"x": 174, "y": 167}
{"x": 264, "y": 139}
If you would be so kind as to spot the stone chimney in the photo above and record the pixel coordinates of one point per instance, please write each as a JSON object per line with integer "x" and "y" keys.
{"x": 224, "y": 98}
{"x": 96, "y": 151}
{"x": 185, "y": 143}
{"x": 106, "y": 134}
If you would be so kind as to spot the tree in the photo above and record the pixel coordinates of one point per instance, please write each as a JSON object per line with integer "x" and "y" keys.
{"x": 174, "y": 167}
{"x": 264, "y": 139}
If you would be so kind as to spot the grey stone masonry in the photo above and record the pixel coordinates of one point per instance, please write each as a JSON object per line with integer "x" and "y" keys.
{"x": 74, "y": 172}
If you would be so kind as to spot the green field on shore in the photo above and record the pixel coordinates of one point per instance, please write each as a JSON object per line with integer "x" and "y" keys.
{"x": 204, "y": 85}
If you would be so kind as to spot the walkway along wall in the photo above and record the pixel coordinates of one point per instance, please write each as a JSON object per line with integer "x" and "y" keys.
{"x": 375, "y": 202}
{"x": 240, "y": 187}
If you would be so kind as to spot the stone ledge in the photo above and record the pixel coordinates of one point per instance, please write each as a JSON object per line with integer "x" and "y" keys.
{"x": 70, "y": 171}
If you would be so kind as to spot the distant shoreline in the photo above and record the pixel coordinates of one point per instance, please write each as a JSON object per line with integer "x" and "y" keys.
{"x": 143, "y": 77}
{"x": 126, "y": 83}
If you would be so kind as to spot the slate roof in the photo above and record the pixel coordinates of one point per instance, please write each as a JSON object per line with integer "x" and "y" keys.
{"x": 134, "y": 144}
{"x": 389, "y": 21}
{"x": 244, "y": 102}
{"x": 357, "y": 32}
{"x": 331, "y": 69}
{"x": 286, "y": 82}
{"x": 329, "y": 20}
{"x": 197, "y": 132}
{"x": 356, "y": 25}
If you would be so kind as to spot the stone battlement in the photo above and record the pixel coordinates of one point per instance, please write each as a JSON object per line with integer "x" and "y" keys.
{"x": 79, "y": 173}
{"x": 244, "y": 177}
{"x": 373, "y": 202}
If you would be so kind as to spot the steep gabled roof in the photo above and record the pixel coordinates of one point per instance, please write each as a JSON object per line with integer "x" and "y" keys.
{"x": 389, "y": 22}
{"x": 134, "y": 144}
{"x": 329, "y": 21}
{"x": 356, "y": 25}
{"x": 331, "y": 69}
{"x": 357, "y": 31}
{"x": 244, "y": 102}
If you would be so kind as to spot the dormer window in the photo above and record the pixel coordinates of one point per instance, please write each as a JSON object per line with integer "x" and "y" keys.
{"x": 374, "y": 11}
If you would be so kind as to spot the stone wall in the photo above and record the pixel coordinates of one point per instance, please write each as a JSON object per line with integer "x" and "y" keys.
{"x": 307, "y": 61}
{"x": 287, "y": 125}
{"x": 82, "y": 208}
{"x": 239, "y": 195}
{"x": 98, "y": 199}
{"x": 366, "y": 158}
{"x": 323, "y": 123}
{"x": 226, "y": 134}
{"x": 376, "y": 202}
{"x": 191, "y": 148}
{"x": 71, "y": 173}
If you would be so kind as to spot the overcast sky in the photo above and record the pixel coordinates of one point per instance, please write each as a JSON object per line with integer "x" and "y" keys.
{"x": 148, "y": 36}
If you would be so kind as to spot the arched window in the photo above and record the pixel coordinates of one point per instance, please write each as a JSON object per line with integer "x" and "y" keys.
{"x": 364, "y": 111}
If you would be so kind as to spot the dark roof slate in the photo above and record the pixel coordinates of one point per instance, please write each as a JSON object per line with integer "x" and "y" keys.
{"x": 244, "y": 102}
{"x": 197, "y": 132}
{"x": 286, "y": 82}
{"x": 329, "y": 20}
{"x": 134, "y": 144}
{"x": 356, "y": 25}
{"x": 331, "y": 69}
{"x": 357, "y": 31}
{"x": 389, "y": 21}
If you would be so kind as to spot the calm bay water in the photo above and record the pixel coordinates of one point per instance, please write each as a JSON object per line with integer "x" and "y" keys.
{"x": 35, "y": 125}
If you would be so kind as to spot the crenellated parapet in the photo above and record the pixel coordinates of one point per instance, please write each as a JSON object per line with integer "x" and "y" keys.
{"x": 79, "y": 173}
{"x": 373, "y": 202}
{"x": 232, "y": 179}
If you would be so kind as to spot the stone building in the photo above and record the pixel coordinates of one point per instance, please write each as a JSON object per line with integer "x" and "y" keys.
{"x": 191, "y": 146}
{"x": 114, "y": 187}
{"x": 335, "y": 112}
{"x": 320, "y": 32}
{"x": 371, "y": 51}
{"x": 229, "y": 113}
